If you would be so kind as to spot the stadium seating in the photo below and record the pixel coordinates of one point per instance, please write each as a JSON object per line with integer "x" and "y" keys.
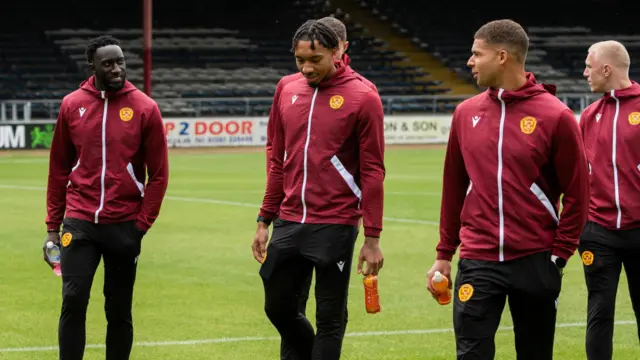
{"x": 211, "y": 71}
{"x": 452, "y": 47}
{"x": 556, "y": 54}
{"x": 232, "y": 66}
{"x": 222, "y": 63}
{"x": 566, "y": 48}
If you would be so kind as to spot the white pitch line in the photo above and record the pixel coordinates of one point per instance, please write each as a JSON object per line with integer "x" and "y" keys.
{"x": 211, "y": 201}
{"x": 412, "y": 221}
{"x": 394, "y": 193}
{"x": 274, "y": 338}
{"x": 409, "y": 193}
{"x": 21, "y": 187}
{"x": 225, "y": 202}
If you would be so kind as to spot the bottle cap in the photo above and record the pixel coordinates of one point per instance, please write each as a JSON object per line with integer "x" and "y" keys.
{"x": 437, "y": 276}
{"x": 50, "y": 244}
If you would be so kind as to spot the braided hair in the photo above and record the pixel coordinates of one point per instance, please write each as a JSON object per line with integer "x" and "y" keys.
{"x": 336, "y": 25}
{"x": 313, "y": 30}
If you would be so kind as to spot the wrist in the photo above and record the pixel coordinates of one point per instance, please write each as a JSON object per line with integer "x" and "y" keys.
{"x": 263, "y": 221}
{"x": 370, "y": 240}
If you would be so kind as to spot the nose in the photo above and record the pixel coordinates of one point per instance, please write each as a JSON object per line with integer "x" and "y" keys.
{"x": 307, "y": 68}
{"x": 470, "y": 62}
{"x": 116, "y": 70}
{"x": 585, "y": 73}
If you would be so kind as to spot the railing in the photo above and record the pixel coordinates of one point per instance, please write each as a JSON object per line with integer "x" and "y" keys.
{"x": 22, "y": 110}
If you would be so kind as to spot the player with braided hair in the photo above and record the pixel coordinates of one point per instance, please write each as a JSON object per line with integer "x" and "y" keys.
{"x": 333, "y": 143}
{"x": 341, "y": 30}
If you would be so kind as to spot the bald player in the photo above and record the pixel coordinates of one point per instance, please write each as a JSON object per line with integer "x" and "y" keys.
{"x": 611, "y": 237}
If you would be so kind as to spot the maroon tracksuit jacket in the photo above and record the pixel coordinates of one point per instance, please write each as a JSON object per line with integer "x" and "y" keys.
{"x": 510, "y": 156}
{"x": 611, "y": 132}
{"x": 333, "y": 137}
{"x": 103, "y": 146}
{"x": 293, "y": 77}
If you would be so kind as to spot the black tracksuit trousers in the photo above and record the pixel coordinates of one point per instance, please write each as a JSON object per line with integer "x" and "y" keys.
{"x": 294, "y": 252}
{"x": 604, "y": 252}
{"x": 532, "y": 285}
{"x": 119, "y": 246}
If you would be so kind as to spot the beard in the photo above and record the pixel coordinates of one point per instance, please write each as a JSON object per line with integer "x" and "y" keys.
{"x": 113, "y": 86}
{"x": 109, "y": 86}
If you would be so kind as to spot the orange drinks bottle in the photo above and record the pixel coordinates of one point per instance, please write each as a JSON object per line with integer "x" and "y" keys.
{"x": 371, "y": 297}
{"x": 440, "y": 284}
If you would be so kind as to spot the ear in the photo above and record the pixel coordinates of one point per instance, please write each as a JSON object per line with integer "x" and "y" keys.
{"x": 346, "y": 46}
{"x": 607, "y": 70}
{"x": 503, "y": 55}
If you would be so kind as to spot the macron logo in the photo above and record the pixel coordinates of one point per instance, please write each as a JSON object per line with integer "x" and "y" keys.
{"x": 598, "y": 117}
{"x": 341, "y": 265}
{"x": 82, "y": 110}
{"x": 294, "y": 98}
{"x": 475, "y": 120}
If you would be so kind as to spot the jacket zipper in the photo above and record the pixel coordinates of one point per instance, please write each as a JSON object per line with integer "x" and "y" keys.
{"x": 306, "y": 151}
{"x": 613, "y": 159}
{"x": 503, "y": 113}
{"x": 104, "y": 155}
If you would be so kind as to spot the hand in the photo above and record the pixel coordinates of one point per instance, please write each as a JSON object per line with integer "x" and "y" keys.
{"x": 372, "y": 255}
{"x": 259, "y": 245}
{"x": 444, "y": 267}
{"x": 53, "y": 237}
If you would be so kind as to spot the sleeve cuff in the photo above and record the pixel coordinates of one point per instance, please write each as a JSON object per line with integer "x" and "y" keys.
{"x": 372, "y": 232}
{"x": 562, "y": 253}
{"x": 142, "y": 226}
{"x": 53, "y": 226}
{"x": 444, "y": 255}
{"x": 267, "y": 214}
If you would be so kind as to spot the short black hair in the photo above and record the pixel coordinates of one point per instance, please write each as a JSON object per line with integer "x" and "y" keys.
{"x": 313, "y": 30}
{"x": 507, "y": 33}
{"x": 97, "y": 43}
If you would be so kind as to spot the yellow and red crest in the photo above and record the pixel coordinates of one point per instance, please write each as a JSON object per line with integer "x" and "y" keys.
{"x": 126, "y": 114}
{"x": 528, "y": 124}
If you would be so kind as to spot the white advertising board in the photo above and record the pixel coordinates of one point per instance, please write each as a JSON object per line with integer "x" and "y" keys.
{"x": 214, "y": 132}
{"x": 252, "y": 131}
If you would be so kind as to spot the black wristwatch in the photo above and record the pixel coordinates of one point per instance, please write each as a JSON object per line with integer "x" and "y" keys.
{"x": 264, "y": 220}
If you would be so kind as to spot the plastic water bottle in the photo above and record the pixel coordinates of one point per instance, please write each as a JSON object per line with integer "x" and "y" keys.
{"x": 440, "y": 284}
{"x": 53, "y": 254}
{"x": 371, "y": 296}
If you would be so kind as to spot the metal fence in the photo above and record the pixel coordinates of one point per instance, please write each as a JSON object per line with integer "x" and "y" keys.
{"x": 23, "y": 110}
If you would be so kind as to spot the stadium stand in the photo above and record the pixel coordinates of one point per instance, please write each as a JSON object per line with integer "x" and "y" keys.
{"x": 556, "y": 52}
{"x": 408, "y": 49}
{"x": 214, "y": 71}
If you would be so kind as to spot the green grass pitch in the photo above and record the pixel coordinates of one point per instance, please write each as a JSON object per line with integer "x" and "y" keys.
{"x": 198, "y": 294}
